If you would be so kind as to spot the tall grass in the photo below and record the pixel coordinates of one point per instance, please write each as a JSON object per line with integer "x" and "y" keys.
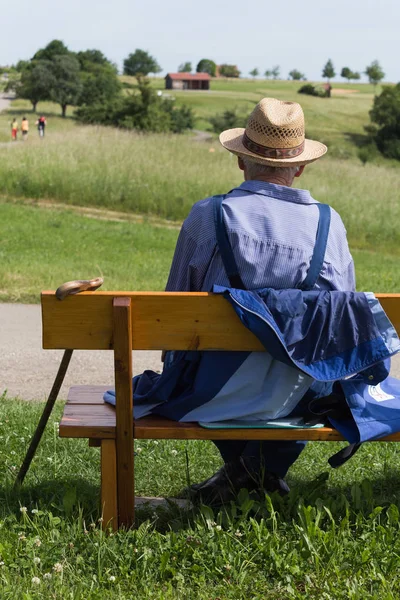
{"x": 164, "y": 175}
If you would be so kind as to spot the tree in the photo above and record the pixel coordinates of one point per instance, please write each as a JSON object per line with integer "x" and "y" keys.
{"x": 185, "y": 67}
{"x": 140, "y": 63}
{"x": 67, "y": 87}
{"x": 268, "y": 73}
{"x": 229, "y": 70}
{"x": 54, "y": 48}
{"x": 254, "y": 73}
{"x": 346, "y": 73}
{"x": 356, "y": 76}
{"x": 386, "y": 114}
{"x": 89, "y": 58}
{"x": 276, "y": 71}
{"x": 22, "y": 65}
{"x": 36, "y": 83}
{"x": 329, "y": 71}
{"x": 374, "y": 73}
{"x": 99, "y": 84}
{"x": 296, "y": 75}
{"x": 206, "y": 65}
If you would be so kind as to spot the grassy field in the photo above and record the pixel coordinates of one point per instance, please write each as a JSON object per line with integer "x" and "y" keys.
{"x": 336, "y": 536}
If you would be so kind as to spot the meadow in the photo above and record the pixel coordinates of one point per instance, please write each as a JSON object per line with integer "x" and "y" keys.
{"x": 90, "y": 201}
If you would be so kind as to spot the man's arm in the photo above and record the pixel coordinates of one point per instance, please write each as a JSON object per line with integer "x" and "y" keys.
{"x": 179, "y": 275}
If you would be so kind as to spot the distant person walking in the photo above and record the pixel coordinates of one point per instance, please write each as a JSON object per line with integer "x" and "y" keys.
{"x": 24, "y": 128}
{"x": 41, "y": 124}
{"x": 14, "y": 129}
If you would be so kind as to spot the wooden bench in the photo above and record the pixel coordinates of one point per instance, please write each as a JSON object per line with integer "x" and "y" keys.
{"x": 126, "y": 321}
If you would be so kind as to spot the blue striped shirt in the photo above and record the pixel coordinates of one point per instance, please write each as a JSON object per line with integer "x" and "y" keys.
{"x": 272, "y": 231}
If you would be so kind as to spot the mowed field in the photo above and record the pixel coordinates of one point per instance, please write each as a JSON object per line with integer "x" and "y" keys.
{"x": 157, "y": 178}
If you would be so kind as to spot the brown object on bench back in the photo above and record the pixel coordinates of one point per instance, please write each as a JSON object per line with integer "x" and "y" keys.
{"x": 126, "y": 321}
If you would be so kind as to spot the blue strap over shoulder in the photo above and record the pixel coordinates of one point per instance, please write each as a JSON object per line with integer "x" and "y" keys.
{"x": 224, "y": 246}
{"x": 228, "y": 257}
{"x": 317, "y": 259}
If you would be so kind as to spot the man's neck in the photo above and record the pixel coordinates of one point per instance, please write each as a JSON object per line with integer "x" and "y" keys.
{"x": 276, "y": 179}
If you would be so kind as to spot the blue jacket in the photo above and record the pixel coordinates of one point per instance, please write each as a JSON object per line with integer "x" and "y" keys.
{"x": 310, "y": 336}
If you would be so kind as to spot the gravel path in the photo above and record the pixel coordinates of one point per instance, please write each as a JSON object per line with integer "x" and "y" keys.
{"x": 5, "y": 101}
{"x": 27, "y": 371}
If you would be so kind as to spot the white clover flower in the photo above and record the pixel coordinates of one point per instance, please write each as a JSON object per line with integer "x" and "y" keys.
{"x": 13, "y": 468}
{"x": 23, "y": 509}
{"x": 38, "y": 543}
{"x": 47, "y": 576}
{"x": 156, "y": 442}
{"x": 34, "y": 511}
{"x": 228, "y": 567}
{"x": 174, "y": 452}
{"x": 35, "y": 580}
{"x": 36, "y": 560}
{"x": 218, "y": 528}
{"x": 13, "y": 453}
{"x": 112, "y": 578}
{"x": 238, "y": 533}
{"x": 57, "y": 568}
{"x": 1, "y": 563}
{"x": 139, "y": 450}
{"x": 21, "y": 537}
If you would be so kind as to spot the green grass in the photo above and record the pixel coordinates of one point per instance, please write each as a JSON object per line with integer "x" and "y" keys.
{"x": 41, "y": 248}
{"x": 336, "y": 536}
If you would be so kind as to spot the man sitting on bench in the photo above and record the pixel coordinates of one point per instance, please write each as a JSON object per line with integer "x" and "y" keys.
{"x": 272, "y": 229}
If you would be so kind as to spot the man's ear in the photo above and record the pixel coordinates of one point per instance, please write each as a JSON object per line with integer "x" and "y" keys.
{"x": 300, "y": 171}
{"x": 240, "y": 163}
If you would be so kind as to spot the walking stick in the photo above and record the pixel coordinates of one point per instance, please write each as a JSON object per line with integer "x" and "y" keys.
{"x": 66, "y": 289}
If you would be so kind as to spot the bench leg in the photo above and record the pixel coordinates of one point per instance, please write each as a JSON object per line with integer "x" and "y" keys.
{"x": 109, "y": 505}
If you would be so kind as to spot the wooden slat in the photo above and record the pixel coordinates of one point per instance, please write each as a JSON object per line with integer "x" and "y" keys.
{"x": 122, "y": 327}
{"x": 160, "y": 321}
{"x": 159, "y": 428}
{"x": 109, "y": 484}
{"x": 79, "y": 421}
{"x": 88, "y": 394}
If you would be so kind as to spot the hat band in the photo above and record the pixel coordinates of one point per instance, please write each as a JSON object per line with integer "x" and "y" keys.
{"x": 271, "y": 152}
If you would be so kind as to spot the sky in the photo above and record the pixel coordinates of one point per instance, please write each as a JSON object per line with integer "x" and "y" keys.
{"x": 249, "y": 33}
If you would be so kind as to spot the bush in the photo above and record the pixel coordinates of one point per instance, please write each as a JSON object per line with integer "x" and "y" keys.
{"x": 385, "y": 114}
{"x": 314, "y": 90}
{"x": 227, "y": 120}
{"x": 144, "y": 111}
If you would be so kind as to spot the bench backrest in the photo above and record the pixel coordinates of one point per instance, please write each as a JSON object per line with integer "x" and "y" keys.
{"x": 159, "y": 321}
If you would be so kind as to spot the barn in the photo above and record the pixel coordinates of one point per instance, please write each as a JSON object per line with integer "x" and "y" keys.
{"x": 187, "y": 81}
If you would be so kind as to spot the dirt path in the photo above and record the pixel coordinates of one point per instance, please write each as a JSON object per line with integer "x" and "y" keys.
{"x": 28, "y": 372}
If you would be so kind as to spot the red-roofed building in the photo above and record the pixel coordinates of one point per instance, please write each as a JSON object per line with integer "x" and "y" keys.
{"x": 187, "y": 81}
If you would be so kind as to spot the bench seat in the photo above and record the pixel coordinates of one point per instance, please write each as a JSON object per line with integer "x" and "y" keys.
{"x": 86, "y": 415}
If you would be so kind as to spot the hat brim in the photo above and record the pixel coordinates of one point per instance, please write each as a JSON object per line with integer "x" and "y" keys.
{"x": 232, "y": 140}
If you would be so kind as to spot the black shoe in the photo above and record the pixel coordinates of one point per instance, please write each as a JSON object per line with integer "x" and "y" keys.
{"x": 225, "y": 484}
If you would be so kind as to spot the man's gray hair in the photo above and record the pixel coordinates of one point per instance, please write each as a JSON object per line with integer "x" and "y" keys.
{"x": 253, "y": 169}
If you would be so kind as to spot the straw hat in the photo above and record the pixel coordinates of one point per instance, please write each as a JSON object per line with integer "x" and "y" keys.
{"x": 274, "y": 135}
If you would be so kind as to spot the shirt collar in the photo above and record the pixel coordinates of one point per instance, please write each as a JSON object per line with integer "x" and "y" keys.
{"x": 281, "y": 192}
